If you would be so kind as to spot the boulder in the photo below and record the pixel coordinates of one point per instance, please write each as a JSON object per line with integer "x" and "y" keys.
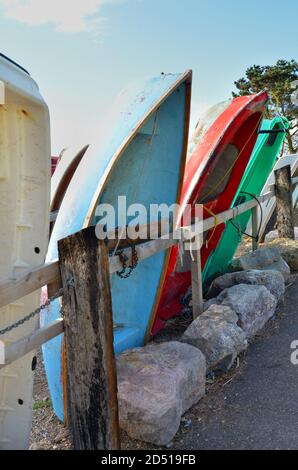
{"x": 288, "y": 249}
{"x": 254, "y": 305}
{"x": 267, "y": 258}
{"x": 208, "y": 303}
{"x": 156, "y": 385}
{"x": 272, "y": 280}
{"x": 273, "y": 235}
{"x": 218, "y": 336}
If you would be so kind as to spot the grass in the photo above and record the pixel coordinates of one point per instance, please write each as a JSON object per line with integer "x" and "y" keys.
{"x": 39, "y": 404}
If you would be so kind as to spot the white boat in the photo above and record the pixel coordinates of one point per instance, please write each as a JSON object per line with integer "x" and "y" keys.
{"x": 24, "y": 216}
{"x": 268, "y": 207}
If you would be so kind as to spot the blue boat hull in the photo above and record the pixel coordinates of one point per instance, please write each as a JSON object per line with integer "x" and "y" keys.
{"x": 143, "y": 159}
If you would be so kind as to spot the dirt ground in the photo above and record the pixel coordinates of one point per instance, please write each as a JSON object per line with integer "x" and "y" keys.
{"x": 47, "y": 431}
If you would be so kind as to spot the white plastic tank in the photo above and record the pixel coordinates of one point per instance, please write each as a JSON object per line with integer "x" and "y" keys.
{"x": 24, "y": 226}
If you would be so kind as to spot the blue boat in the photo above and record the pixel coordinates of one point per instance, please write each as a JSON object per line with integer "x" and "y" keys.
{"x": 141, "y": 155}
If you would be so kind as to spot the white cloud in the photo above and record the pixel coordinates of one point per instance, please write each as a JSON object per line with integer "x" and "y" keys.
{"x": 71, "y": 16}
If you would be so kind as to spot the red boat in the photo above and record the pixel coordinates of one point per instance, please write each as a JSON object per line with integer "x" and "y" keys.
{"x": 213, "y": 173}
{"x": 54, "y": 163}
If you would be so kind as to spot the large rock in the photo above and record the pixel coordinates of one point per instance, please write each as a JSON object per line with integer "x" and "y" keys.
{"x": 272, "y": 280}
{"x": 254, "y": 305}
{"x": 218, "y": 336}
{"x": 267, "y": 258}
{"x": 288, "y": 249}
{"x": 273, "y": 235}
{"x": 156, "y": 385}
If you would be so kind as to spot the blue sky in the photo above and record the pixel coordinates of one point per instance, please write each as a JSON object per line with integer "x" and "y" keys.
{"x": 82, "y": 52}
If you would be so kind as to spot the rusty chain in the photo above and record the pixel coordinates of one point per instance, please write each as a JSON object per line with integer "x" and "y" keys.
{"x": 31, "y": 315}
{"x": 127, "y": 270}
{"x": 123, "y": 274}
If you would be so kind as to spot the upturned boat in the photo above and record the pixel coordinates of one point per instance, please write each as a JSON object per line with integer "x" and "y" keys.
{"x": 140, "y": 155}
{"x": 219, "y": 154}
{"x": 263, "y": 158}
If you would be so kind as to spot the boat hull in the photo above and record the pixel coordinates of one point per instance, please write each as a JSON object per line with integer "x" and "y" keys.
{"x": 212, "y": 176}
{"x": 260, "y": 165}
{"x": 143, "y": 159}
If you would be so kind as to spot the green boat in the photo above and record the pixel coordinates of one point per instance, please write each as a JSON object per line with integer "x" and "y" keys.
{"x": 263, "y": 158}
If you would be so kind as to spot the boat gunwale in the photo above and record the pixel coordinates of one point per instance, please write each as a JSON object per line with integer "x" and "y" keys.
{"x": 213, "y": 151}
{"x": 13, "y": 62}
{"x": 56, "y": 199}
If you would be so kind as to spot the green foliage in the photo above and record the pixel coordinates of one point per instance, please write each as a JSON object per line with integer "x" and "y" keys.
{"x": 278, "y": 81}
{"x": 39, "y": 404}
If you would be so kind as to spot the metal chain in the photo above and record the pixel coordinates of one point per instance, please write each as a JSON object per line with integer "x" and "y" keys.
{"x": 124, "y": 274}
{"x": 33, "y": 313}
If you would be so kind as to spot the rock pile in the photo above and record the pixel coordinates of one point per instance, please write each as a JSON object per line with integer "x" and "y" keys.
{"x": 272, "y": 280}
{"x": 288, "y": 250}
{"x": 159, "y": 382}
{"x": 156, "y": 385}
{"x": 254, "y": 306}
{"x": 267, "y": 258}
{"x": 218, "y": 336}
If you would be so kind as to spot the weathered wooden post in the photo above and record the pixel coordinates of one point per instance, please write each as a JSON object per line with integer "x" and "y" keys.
{"x": 254, "y": 228}
{"x": 196, "y": 282}
{"x": 284, "y": 205}
{"x": 91, "y": 381}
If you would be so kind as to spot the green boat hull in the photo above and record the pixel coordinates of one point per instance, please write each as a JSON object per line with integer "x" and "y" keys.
{"x": 263, "y": 158}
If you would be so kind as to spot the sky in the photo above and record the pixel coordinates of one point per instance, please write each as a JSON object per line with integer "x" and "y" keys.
{"x": 83, "y": 52}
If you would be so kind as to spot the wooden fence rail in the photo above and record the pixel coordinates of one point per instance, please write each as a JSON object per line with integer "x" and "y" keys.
{"x": 80, "y": 321}
{"x": 49, "y": 274}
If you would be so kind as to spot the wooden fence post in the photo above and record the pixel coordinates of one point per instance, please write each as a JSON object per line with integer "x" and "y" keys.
{"x": 91, "y": 381}
{"x": 196, "y": 283}
{"x": 284, "y": 205}
{"x": 254, "y": 228}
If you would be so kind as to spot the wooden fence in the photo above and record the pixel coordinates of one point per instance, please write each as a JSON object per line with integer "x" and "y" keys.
{"x": 82, "y": 311}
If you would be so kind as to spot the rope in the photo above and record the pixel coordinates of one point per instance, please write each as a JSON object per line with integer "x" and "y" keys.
{"x": 118, "y": 241}
{"x": 215, "y": 224}
{"x": 181, "y": 250}
{"x": 261, "y": 219}
{"x": 181, "y": 245}
{"x": 209, "y": 239}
